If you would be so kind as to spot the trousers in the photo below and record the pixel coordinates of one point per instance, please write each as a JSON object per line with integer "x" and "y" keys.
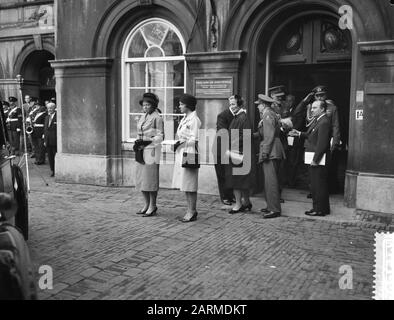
{"x": 319, "y": 189}
{"x": 225, "y": 193}
{"x": 272, "y": 185}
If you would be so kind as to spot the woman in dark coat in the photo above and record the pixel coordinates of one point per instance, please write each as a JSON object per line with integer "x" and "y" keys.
{"x": 239, "y": 172}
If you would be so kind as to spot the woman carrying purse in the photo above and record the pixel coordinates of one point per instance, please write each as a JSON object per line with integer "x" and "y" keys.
{"x": 186, "y": 167}
{"x": 148, "y": 153}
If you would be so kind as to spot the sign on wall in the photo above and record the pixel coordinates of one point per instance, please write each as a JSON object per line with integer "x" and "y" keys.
{"x": 359, "y": 115}
{"x": 213, "y": 88}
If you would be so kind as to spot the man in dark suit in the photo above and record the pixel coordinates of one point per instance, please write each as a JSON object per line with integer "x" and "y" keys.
{"x": 224, "y": 120}
{"x": 318, "y": 142}
{"x": 50, "y": 136}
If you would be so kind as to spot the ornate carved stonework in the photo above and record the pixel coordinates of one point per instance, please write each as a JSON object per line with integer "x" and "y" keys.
{"x": 333, "y": 39}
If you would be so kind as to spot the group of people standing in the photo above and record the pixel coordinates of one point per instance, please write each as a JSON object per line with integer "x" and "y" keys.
{"x": 40, "y": 128}
{"x": 312, "y": 126}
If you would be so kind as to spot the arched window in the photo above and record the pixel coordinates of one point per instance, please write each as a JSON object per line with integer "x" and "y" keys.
{"x": 153, "y": 61}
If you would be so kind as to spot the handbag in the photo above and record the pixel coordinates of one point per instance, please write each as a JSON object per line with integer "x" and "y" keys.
{"x": 138, "y": 148}
{"x": 191, "y": 160}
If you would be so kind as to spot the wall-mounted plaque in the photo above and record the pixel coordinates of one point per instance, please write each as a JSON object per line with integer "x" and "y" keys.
{"x": 213, "y": 88}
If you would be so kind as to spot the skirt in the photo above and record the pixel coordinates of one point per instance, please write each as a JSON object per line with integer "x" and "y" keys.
{"x": 184, "y": 179}
{"x": 147, "y": 177}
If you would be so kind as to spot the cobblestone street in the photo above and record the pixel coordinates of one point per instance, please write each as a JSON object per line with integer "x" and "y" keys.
{"x": 100, "y": 249}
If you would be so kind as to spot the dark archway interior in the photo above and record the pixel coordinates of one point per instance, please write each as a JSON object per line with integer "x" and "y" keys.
{"x": 39, "y": 79}
{"x": 311, "y": 51}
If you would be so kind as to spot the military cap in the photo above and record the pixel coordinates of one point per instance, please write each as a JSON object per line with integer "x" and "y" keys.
{"x": 53, "y": 100}
{"x": 264, "y": 98}
{"x": 12, "y": 99}
{"x": 320, "y": 90}
{"x": 278, "y": 91}
{"x": 150, "y": 98}
{"x": 5, "y": 103}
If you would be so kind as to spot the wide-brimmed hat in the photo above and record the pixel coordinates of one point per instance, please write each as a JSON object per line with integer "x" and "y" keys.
{"x": 264, "y": 98}
{"x": 150, "y": 98}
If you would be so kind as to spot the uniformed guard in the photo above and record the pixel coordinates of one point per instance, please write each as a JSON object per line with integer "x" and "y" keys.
{"x": 15, "y": 124}
{"x": 38, "y": 135}
{"x": 270, "y": 155}
{"x": 32, "y": 112}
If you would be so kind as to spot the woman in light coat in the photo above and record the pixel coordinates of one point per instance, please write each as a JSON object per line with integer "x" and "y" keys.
{"x": 150, "y": 136}
{"x": 186, "y": 179}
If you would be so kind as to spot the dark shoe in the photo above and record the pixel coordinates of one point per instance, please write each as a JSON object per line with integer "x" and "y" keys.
{"x": 141, "y": 212}
{"x": 192, "y": 219}
{"x": 316, "y": 214}
{"x": 249, "y": 207}
{"x": 282, "y": 201}
{"x": 272, "y": 215}
{"x": 152, "y": 214}
{"x": 264, "y": 210}
{"x": 32, "y": 156}
{"x": 52, "y": 174}
{"x": 232, "y": 211}
{"x": 39, "y": 163}
{"x": 309, "y": 212}
{"x": 227, "y": 202}
{"x": 309, "y": 196}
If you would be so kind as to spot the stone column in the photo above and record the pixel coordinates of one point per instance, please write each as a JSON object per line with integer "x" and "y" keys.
{"x": 83, "y": 155}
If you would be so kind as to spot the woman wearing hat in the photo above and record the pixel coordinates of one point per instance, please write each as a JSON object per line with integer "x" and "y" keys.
{"x": 186, "y": 179}
{"x": 150, "y": 136}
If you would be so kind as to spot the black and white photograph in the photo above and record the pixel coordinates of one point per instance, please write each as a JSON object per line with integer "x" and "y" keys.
{"x": 208, "y": 152}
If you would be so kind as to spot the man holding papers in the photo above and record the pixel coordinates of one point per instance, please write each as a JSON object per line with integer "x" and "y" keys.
{"x": 317, "y": 147}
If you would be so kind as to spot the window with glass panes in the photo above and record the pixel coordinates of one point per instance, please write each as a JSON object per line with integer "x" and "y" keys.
{"x": 153, "y": 61}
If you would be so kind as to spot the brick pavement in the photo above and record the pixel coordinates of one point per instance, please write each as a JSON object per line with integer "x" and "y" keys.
{"x": 100, "y": 249}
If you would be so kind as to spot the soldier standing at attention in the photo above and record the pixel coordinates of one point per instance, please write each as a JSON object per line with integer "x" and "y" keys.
{"x": 278, "y": 94}
{"x": 33, "y": 109}
{"x": 271, "y": 154}
{"x": 15, "y": 123}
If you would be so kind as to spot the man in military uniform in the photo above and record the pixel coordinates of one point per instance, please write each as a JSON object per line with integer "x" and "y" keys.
{"x": 33, "y": 109}
{"x": 270, "y": 155}
{"x": 38, "y": 135}
{"x": 15, "y": 123}
{"x": 25, "y": 108}
{"x": 278, "y": 94}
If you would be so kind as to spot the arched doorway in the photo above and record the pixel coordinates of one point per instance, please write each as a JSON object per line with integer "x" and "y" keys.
{"x": 306, "y": 51}
{"x": 39, "y": 79}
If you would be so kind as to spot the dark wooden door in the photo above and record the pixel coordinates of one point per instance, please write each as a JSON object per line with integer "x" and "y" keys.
{"x": 311, "y": 52}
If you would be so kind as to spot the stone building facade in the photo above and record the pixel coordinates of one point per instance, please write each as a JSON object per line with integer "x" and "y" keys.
{"x": 27, "y": 44}
{"x": 109, "y": 52}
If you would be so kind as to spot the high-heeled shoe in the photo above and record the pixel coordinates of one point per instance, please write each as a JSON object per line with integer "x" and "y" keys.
{"x": 152, "y": 214}
{"x": 232, "y": 211}
{"x": 142, "y": 212}
{"x": 192, "y": 219}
